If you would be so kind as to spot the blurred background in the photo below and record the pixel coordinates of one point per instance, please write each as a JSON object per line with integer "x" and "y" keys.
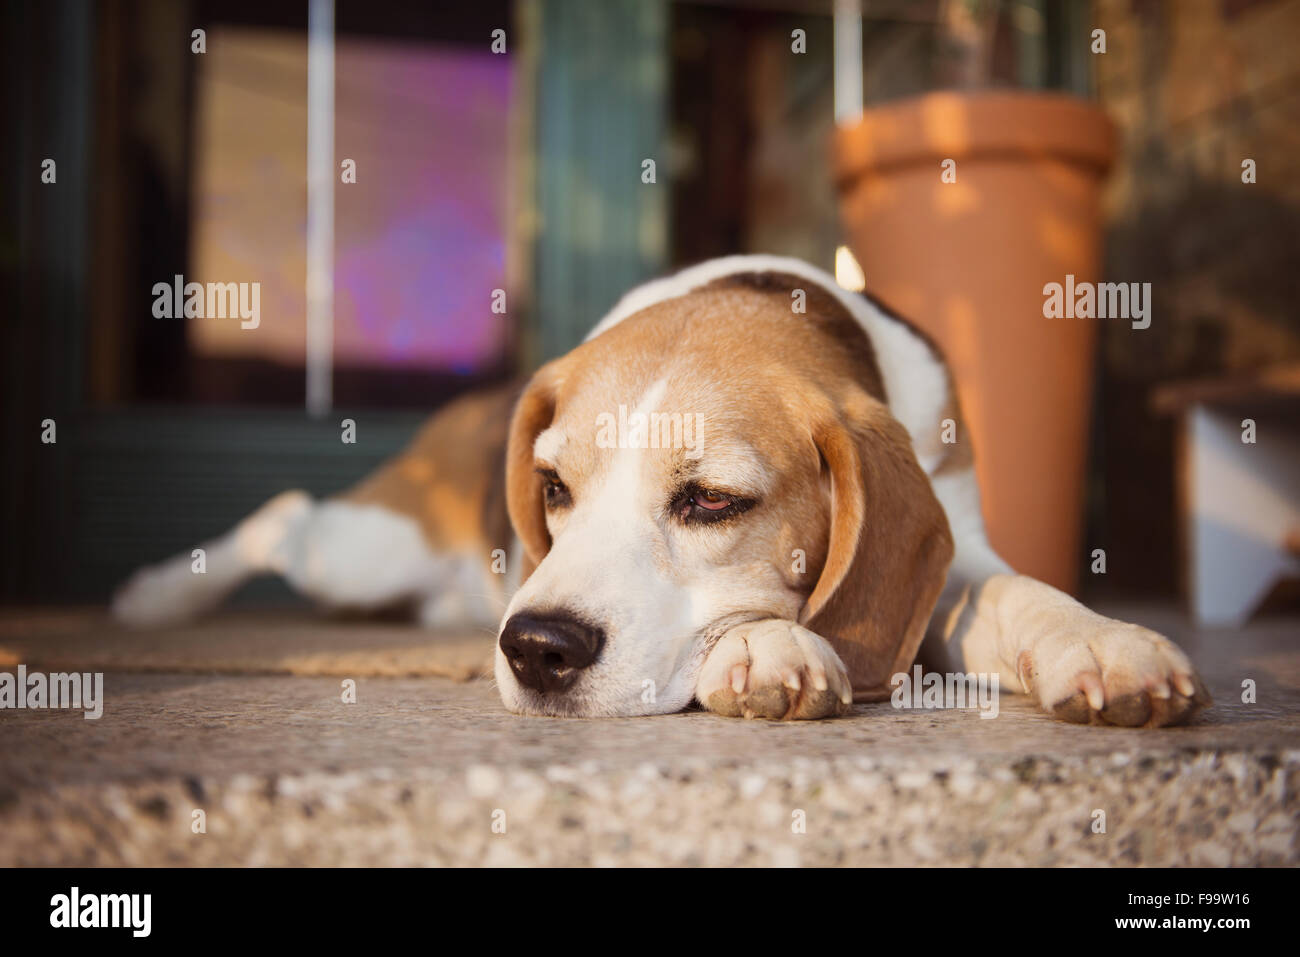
{"x": 521, "y": 169}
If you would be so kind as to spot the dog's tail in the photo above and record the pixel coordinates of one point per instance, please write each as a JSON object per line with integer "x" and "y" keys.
{"x": 187, "y": 585}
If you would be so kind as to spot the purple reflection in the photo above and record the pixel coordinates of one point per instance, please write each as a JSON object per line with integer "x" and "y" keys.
{"x": 419, "y": 239}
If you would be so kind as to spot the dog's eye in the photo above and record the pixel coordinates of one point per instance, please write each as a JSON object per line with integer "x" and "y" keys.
{"x": 713, "y": 501}
{"x": 696, "y": 504}
{"x": 555, "y": 492}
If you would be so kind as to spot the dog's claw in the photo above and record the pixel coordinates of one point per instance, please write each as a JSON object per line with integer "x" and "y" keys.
{"x": 738, "y": 676}
{"x": 1094, "y": 691}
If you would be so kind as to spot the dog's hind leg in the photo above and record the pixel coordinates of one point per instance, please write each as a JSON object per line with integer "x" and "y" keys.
{"x": 191, "y": 583}
{"x": 366, "y": 557}
{"x": 428, "y": 528}
{"x": 339, "y": 553}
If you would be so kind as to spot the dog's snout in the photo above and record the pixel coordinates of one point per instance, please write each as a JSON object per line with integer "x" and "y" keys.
{"x": 546, "y": 653}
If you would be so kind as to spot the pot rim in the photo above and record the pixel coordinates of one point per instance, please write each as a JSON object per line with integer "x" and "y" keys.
{"x": 962, "y": 124}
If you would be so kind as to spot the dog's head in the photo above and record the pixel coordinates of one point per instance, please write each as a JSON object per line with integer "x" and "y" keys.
{"x": 713, "y": 459}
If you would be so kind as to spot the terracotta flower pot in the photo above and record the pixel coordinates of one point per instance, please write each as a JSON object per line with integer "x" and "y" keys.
{"x": 967, "y": 261}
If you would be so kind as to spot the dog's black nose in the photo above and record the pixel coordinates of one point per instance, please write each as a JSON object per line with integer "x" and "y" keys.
{"x": 546, "y": 653}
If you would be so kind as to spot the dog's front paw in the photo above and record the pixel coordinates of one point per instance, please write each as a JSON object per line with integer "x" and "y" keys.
{"x": 1102, "y": 671}
{"x": 774, "y": 669}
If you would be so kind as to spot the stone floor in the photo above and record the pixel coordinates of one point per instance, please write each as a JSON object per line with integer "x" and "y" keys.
{"x": 432, "y": 771}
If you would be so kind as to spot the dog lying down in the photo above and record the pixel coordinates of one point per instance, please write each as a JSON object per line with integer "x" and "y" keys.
{"x": 734, "y": 491}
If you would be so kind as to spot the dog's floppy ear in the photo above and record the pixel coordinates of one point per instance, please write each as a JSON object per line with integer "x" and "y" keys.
{"x": 889, "y": 547}
{"x": 533, "y": 413}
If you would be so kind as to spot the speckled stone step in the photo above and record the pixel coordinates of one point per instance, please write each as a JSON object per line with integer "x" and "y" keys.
{"x": 427, "y": 771}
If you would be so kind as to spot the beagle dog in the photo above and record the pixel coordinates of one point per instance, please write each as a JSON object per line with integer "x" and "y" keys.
{"x": 734, "y": 492}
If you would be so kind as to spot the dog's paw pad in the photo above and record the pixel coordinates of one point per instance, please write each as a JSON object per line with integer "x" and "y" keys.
{"x": 824, "y": 704}
{"x": 1128, "y": 710}
{"x": 1074, "y": 709}
{"x": 767, "y": 703}
{"x": 725, "y": 702}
